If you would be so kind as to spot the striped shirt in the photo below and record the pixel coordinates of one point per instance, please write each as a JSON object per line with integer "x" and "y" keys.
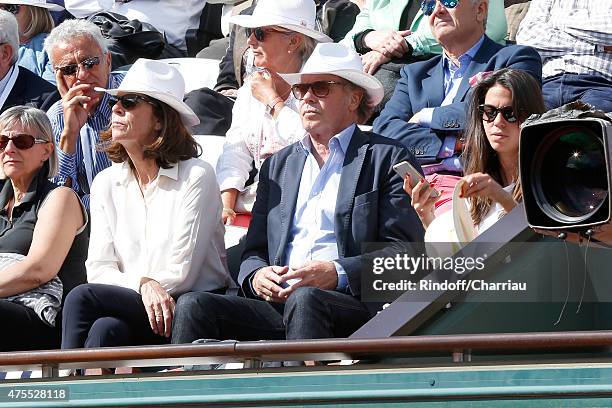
{"x": 87, "y": 161}
{"x": 569, "y": 35}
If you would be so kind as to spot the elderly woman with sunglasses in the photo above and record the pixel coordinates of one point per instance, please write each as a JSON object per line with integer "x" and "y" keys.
{"x": 43, "y": 244}
{"x": 35, "y": 23}
{"x": 265, "y": 118}
{"x": 156, "y": 218}
{"x": 499, "y": 103}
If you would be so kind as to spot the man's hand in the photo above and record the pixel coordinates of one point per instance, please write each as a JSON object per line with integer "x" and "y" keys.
{"x": 266, "y": 283}
{"x": 415, "y": 118}
{"x": 77, "y": 106}
{"x": 389, "y": 43}
{"x": 159, "y": 306}
{"x": 318, "y": 274}
{"x": 372, "y": 61}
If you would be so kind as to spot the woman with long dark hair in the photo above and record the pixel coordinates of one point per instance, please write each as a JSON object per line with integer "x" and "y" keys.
{"x": 499, "y": 103}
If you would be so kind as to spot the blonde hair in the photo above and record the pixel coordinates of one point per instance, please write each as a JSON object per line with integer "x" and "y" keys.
{"x": 40, "y": 21}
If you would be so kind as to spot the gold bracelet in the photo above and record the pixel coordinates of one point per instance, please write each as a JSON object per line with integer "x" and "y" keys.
{"x": 229, "y": 211}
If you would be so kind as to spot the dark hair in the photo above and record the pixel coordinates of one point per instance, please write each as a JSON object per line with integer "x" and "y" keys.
{"x": 478, "y": 154}
{"x": 173, "y": 143}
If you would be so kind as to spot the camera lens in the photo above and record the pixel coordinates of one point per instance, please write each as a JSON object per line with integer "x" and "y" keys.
{"x": 569, "y": 179}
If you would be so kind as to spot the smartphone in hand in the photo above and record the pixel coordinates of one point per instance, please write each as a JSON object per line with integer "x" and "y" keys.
{"x": 404, "y": 168}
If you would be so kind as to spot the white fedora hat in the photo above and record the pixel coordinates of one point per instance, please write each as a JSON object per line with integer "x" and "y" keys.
{"x": 338, "y": 59}
{"x": 35, "y": 3}
{"x": 159, "y": 81}
{"x": 454, "y": 227}
{"x": 295, "y": 15}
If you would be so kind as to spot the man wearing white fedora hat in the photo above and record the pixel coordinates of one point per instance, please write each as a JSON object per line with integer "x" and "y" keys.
{"x": 81, "y": 61}
{"x": 318, "y": 201}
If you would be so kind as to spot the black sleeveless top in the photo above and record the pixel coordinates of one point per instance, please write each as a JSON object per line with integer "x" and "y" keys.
{"x": 16, "y": 235}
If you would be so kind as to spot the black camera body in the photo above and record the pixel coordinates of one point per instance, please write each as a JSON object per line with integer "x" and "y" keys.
{"x": 565, "y": 172}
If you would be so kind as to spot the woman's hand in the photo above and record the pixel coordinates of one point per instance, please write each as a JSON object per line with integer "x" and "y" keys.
{"x": 389, "y": 43}
{"x": 228, "y": 198}
{"x": 263, "y": 86}
{"x": 372, "y": 61}
{"x": 421, "y": 199}
{"x": 483, "y": 185}
{"x": 159, "y": 306}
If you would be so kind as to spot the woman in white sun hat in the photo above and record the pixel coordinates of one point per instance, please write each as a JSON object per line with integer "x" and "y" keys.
{"x": 156, "y": 229}
{"x": 35, "y": 23}
{"x": 281, "y": 37}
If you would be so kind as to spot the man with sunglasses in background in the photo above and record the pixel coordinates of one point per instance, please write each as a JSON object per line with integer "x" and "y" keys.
{"x": 318, "y": 201}
{"x": 18, "y": 86}
{"x": 81, "y": 61}
{"x": 427, "y": 111}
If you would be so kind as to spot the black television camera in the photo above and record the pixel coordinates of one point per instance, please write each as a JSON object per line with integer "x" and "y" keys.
{"x": 565, "y": 169}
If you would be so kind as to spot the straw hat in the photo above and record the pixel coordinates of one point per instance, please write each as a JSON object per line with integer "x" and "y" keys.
{"x": 159, "y": 81}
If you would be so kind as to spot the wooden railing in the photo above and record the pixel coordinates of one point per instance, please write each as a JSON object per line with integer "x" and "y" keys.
{"x": 457, "y": 347}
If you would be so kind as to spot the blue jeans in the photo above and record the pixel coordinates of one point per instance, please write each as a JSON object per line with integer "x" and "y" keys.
{"x": 309, "y": 313}
{"x": 564, "y": 88}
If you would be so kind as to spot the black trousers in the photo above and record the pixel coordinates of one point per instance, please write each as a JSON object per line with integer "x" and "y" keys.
{"x": 98, "y": 315}
{"x": 309, "y": 313}
{"x": 23, "y": 329}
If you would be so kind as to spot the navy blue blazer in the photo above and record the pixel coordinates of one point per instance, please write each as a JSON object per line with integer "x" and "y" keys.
{"x": 422, "y": 86}
{"x": 31, "y": 90}
{"x": 371, "y": 206}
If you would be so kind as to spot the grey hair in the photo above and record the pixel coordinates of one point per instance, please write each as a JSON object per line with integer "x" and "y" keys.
{"x": 36, "y": 121}
{"x": 9, "y": 33}
{"x": 70, "y": 29}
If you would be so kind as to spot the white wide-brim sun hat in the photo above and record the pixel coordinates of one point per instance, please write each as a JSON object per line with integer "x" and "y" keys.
{"x": 339, "y": 60}
{"x": 160, "y": 81}
{"x": 452, "y": 229}
{"x": 295, "y": 15}
{"x": 35, "y": 3}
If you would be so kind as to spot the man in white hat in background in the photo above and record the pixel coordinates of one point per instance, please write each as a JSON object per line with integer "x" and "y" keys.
{"x": 318, "y": 201}
{"x": 81, "y": 61}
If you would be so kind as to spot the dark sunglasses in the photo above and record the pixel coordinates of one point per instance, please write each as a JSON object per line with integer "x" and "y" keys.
{"x": 260, "y": 33}
{"x": 71, "y": 69}
{"x": 11, "y": 8}
{"x": 131, "y": 100}
{"x": 320, "y": 88}
{"x": 489, "y": 113}
{"x": 428, "y": 6}
{"x": 22, "y": 141}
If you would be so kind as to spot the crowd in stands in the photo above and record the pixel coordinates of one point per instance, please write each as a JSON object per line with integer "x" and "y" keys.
{"x": 112, "y": 227}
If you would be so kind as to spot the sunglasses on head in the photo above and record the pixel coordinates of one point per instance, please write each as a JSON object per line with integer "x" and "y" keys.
{"x": 489, "y": 113}
{"x": 428, "y": 6}
{"x": 320, "y": 89}
{"x": 11, "y": 8}
{"x": 22, "y": 141}
{"x": 71, "y": 69}
{"x": 131, "y": 100}
{"x": 260, "y": 33}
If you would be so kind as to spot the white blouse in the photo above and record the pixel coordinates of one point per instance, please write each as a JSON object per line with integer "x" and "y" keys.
{"x": 254, "y": 136}
{"x": 172, "y": 232}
